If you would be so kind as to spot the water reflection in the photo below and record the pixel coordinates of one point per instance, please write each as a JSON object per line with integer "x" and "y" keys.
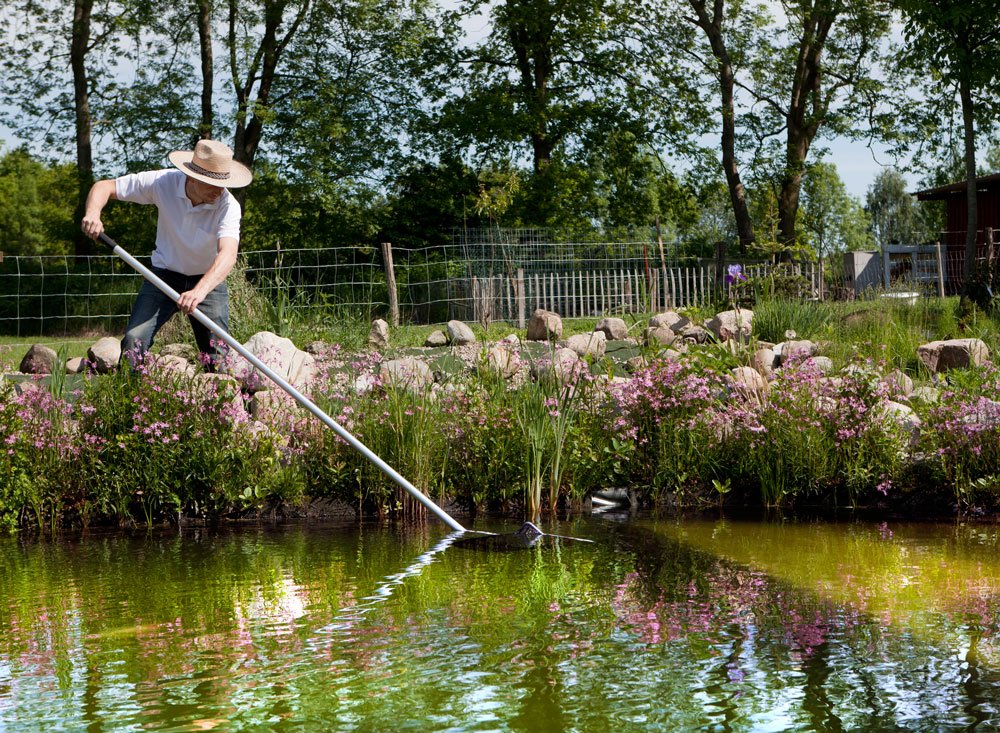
{"x": 663, "y": 625}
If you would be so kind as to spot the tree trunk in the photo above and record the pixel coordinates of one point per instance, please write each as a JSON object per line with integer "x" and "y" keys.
{"x": 806, "y": 108}
{"x": 205, "y": 45}
{"x": 712, "y": 26}
{"x": 81, "y": 100}
{"x": 971, "y": 198}
{"x": 250, "y": 127}
{"x": 533, "y": 58}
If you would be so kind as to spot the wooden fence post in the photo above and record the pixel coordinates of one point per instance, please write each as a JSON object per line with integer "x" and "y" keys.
{"x": 519, "y": 295}
{"x": 390, "y": 283}
{"x": 940, "y": 268}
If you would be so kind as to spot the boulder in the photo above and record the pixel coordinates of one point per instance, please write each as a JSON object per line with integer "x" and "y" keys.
{"x": 614, "y": 329}
{"x": 748, "y": 383}
{"x": 378, "y": 335}
{"x": 104, "y": 354}
{"x": 733, "y": 325}
{"x": 40, "y": 359}
{"x": 436, "y": 339}
{"x": 940, "y": 356}
{"x": 459, "y": 333}
{"x": 504, "y": 359}
{"x": 898, "y": 383}
{"x": 588, "y": 344}
{"x": 562, "y": 366}
{"x": 279, "y": 354}
{"x": 407, "y": 373}
{"x": 674, "y": 321}
{"x": 544, "y": 326}
{"x": 76, "y": 365}
{"x": 765, "y": 361}
{"x": 660, "y": 336}
{"x": 795, "y": 350}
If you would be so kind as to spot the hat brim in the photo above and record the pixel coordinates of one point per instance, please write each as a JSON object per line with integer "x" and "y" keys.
{"x": 239, "y": 175}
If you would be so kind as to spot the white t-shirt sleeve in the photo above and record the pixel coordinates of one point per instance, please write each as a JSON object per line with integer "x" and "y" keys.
{"x": 139, "y": 188}
{"x": 229, "y": 222}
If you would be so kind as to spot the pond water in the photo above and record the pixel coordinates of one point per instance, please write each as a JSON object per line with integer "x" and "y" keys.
{"x": 663, "y": 624}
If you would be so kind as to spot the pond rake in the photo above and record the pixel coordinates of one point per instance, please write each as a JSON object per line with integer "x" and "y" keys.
{"x": 526, "y": 536}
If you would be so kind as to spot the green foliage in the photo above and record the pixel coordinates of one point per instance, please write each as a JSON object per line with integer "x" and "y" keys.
{"x": 895, "y": 216}
{"x": 36, "y": 205}
{"x": 774, "y": 317}
{"x": 831, "y": 220}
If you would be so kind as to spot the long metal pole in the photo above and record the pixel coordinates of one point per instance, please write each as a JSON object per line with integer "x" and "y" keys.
{"x": 292, "y": 391}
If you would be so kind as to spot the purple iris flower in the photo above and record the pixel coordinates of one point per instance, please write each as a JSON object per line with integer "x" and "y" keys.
{"x": 735, "y": 274}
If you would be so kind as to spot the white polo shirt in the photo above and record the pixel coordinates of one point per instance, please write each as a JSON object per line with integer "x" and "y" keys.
{"x": 187, "y": 237}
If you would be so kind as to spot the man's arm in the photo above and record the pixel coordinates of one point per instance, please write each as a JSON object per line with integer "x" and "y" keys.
{"x": 216, "y": 275}
{"x": 100, "y": 193}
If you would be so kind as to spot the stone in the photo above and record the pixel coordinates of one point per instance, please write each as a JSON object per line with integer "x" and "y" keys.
{"x": 765, "y": 361}
{"x": 435, "y": 339}
{"x": 588, "y": 344}
{"x": 378, "y": 335}
{"x": 503, "y": 359}
{"x": 822, "y": 363}
{"x": 104, "y": 354}
{"x": 76, "y": 365}
{"x": 748, "y": 383}
{"x": 795, "y": 350}
{"x": 562, "y": 366}
{"x": 669, "y": 319}
{"x": 185, "y": 351}
{"x": 176, "y": 364}
{"x": 732, "y": 325}
{"x": 39, "y": 359}
{"x": 544, "y": 326}
{"x": 407, "y": 373}
{"x": 279, "y": 354}
{"x": 940, "y": 356}
{"x": 614, "y": 329}
{"x": 898, "y": 383}
{"x": 460, "y": 334}
{"x": 660, "y": 336}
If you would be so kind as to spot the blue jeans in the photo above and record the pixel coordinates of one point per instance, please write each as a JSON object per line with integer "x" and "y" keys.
{"x": 153, "y": 308}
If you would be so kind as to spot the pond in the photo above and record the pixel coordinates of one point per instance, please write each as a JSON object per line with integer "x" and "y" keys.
{"x": 663, "y": 624}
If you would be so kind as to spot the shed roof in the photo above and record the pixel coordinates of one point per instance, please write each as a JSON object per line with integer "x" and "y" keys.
{"x": 943, "y": 193}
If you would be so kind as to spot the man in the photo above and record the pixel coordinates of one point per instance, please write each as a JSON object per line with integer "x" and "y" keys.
{"x": 197, "y": 239}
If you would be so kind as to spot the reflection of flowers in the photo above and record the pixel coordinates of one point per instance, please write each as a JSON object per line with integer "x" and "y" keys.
{"x": 734, "y": 274}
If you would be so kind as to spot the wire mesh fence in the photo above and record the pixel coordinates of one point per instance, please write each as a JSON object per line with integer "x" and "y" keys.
{"x": 481, "y": 275}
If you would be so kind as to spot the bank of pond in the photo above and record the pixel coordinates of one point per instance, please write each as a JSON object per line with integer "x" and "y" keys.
{"x": 521, "y": 434}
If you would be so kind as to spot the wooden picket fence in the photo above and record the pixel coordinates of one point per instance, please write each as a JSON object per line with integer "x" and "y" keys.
{"x": 596, "y": 294}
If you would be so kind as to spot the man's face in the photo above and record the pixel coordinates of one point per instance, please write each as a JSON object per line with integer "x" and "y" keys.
{"x": 202, "y": 193}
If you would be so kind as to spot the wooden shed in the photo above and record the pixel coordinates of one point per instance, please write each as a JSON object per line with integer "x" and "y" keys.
{"x": 987, "y": 215}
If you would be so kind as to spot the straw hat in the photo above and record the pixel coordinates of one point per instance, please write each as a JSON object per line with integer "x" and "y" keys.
{"x": 212, "y": 162}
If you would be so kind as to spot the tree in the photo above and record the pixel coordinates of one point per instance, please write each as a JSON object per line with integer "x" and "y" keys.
{"x": 832, "y": 219}
{"x": 958, "y": 43}
{"x": 795, "y": 76}
{"x": 61, "y": 54}
{"x": 550, "y": 77}
{"x": 895, "y": 216}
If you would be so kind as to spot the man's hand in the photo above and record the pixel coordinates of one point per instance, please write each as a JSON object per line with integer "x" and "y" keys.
{"x": 100, "y": 193}
{"x": 93, "y": 227}
{"x": 189, "y": 301}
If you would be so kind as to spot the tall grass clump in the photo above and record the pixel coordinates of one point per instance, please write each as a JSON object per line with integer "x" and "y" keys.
{"x": 398, "y": 421}
{"x": 773, "y": 318}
